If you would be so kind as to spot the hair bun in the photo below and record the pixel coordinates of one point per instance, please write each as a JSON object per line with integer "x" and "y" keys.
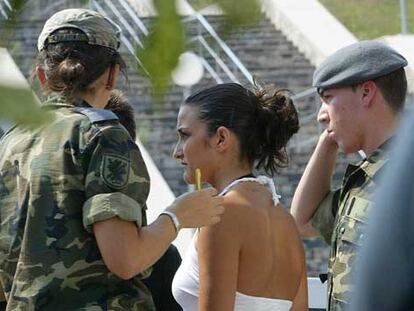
{"x": 277, "y": 122}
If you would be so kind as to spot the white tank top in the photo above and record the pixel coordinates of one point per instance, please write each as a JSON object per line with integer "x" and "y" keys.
{"x": 186, "y": 282}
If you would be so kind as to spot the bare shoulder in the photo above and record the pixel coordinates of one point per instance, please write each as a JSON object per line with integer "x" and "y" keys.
{"x": 284, "y": 220}
{"x": 231, "y": 220}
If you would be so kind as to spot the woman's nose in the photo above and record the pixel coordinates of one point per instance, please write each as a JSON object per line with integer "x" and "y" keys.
{"x": 177, "y": 153}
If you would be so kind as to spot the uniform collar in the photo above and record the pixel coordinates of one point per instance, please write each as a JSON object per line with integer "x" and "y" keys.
{"x": 373, "y": 163}
{"x": 377, "y": 159}
{"x": 56, "y": 100}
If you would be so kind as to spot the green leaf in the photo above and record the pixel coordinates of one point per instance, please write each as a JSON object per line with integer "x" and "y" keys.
{"x": 239, "y": 12}
{"x": 163, "y": 46}
{"x": 17, "y": 101}
{"x": 19, "y": 105}
{"x": 200, "y": 4}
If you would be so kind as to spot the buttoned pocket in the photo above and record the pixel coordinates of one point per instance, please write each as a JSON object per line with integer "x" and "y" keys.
{"x": 350, "y": 236}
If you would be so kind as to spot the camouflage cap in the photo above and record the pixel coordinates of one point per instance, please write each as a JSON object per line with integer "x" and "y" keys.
{"x": 358, "y": 62}
{"x": 95, "y": 29}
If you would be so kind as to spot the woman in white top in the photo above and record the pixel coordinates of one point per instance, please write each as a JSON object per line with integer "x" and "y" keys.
{"x": 253, "y": 259}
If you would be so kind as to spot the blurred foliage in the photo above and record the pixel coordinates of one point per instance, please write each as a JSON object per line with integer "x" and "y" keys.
{"x": 17, "y": 104}
{"x": 7, "y": 25}
{"x": 200, "y": 4}
{"x": 21, "y": 106}
{"x": 370, "y": 19}
{"x": 240, "y": 12}
{"x": 163, "y": 46}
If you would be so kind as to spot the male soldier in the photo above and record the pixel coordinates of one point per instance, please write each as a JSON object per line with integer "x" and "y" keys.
{"x": 362, "y": 88}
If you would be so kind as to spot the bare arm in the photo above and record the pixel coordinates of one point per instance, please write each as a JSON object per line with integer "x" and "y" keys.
{"x": 314, "y": 185}
{"x": 128, "y": 250}
{"x": 218, "y": 254}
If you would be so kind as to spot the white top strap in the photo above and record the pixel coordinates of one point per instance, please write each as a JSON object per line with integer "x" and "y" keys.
{"x": 263, "y": 180}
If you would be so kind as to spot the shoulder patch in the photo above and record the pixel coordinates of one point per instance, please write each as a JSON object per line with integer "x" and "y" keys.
{"x": 96, "y": 114}
{"x": 115, "y": 171}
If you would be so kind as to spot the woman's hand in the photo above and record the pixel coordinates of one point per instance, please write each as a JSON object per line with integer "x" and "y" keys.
{"x": 198, "y": 209}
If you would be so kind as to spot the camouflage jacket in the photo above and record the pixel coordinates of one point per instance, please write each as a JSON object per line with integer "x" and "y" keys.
{"x": 55, "y": 182}
{"x": 342, "y": 218}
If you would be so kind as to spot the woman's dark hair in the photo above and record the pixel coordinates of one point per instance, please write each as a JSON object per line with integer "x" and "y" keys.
{"x": 71, "y": 67}
{"x": 263, "y": 121}
{"x": 118, "y": 104}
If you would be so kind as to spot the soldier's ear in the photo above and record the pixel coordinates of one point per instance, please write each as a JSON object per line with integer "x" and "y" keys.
{"x": 41, "y": 75}
{"x": 368, "y": 92}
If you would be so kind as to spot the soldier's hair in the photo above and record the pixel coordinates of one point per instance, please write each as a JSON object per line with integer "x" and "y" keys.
{"x": 393, "y": 87}
{"x": 118, "y": 104}
{"x": 263, "y": 120}
{"x": 71, "y": 67}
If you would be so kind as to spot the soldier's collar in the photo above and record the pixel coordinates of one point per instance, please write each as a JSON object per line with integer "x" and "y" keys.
{"x": 377, "y": 159}
{"x": 55, "y": 100}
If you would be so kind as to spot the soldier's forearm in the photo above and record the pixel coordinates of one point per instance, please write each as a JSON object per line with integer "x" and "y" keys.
{"x": 128, "y": 250}
{"x": 315, "y": 184}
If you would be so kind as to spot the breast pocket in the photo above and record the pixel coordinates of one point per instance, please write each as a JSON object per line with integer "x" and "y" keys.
{"x": 350, "y": 237}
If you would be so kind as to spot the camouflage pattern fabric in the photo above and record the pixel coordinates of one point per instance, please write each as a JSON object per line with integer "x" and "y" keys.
{"x": 342, "y": 218}
{"x": 55, "y": 182}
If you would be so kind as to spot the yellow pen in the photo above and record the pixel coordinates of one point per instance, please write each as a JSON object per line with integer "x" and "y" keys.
{"x": 197, "y": 179}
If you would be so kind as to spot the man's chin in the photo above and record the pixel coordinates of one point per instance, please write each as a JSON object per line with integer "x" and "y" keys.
{"x": 347, "y": 149}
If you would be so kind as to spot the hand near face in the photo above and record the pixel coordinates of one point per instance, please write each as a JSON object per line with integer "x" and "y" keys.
{"x": 198, "y": 209}
{"x": 327, "y": 140}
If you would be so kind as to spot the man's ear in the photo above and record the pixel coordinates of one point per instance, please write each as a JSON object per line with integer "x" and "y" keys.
{"x": 222, "y": 139}
{"x": 368, "y": 92}
{"x": 41, "y": 75}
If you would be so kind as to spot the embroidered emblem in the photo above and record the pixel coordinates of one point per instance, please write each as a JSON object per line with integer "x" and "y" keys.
{"x": 115, "y": 171}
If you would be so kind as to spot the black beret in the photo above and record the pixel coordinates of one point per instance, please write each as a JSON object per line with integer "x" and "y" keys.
{"x": 358, "y": 62}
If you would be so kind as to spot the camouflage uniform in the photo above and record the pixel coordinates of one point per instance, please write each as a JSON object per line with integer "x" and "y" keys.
{"x": 342, "y": 217}
{"x": 55, "y": 183}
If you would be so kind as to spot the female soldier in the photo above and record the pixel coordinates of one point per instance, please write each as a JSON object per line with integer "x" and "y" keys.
{"x": 253, "y": 259}
{"x": 72, "y": 193}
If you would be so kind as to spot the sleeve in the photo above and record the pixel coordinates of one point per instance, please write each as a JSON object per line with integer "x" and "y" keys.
{"x": 116, "y": 179}
{"x": 324, "y": 217}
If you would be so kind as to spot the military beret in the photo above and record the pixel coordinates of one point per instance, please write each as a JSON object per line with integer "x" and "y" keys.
{"x": 358, "y": 62}
{"x": 80, "y": 25}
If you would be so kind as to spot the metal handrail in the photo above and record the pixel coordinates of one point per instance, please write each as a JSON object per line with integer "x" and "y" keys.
{"x": 124, "y": 22}
{"x": 144, "y": 30}
{"x": 217, "y": 58}
{"x": 5, "y": 8}
{"x": 129, "y": 46}
{"x": 134, "y": 17}
{"x": 221, "y": 43}
{"x": 306, "y": 93}
{"x": 211, "y": 71}
{"x": 403, "y": 17}
{"x": 227, "y": 50}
